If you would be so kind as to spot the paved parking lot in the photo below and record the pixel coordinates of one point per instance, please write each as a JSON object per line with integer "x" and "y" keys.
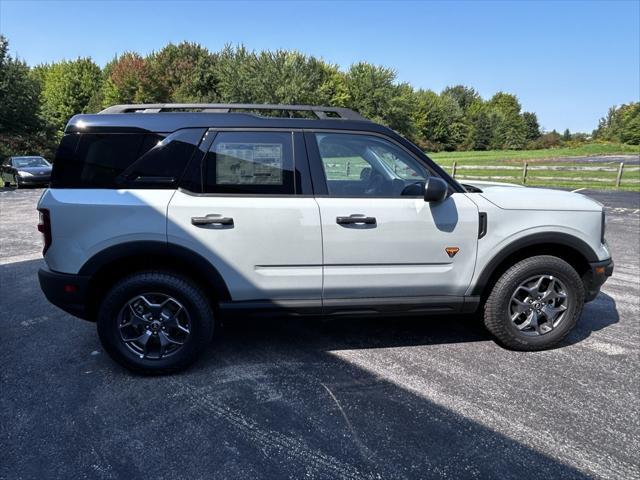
{"x": 386, "y": 398}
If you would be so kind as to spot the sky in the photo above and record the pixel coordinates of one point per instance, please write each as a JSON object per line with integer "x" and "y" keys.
{"x": 566, "y": 61}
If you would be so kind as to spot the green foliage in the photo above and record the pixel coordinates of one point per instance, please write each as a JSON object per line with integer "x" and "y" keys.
{"x": 19, "y": 93}
{"x": 36, "y": 103}
{"x": 67, "y": 88}
{"x": 464, "y": 96}
{"x": 622, "y": 124}
{"x": 21, "y": 131}
{"x": 532, "y": 126}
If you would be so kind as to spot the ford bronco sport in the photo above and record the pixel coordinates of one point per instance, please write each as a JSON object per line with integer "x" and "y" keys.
{"x": 162, "y": 219}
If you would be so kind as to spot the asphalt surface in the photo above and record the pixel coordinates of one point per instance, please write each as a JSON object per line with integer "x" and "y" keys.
{"x": 385, "y": 398}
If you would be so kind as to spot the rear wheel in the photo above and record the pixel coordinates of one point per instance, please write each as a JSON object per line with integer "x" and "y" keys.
{"x": 535, "y": 303}
{"x": 155, "y": 322}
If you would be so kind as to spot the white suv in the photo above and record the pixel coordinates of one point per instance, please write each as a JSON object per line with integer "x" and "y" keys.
{"x": 162, "y": 219}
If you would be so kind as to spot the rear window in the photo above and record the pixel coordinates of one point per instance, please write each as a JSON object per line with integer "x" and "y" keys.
{"x": 123, "y": 160}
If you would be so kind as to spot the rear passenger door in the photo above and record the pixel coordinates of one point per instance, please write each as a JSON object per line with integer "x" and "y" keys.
{"x": 253, "y": 215}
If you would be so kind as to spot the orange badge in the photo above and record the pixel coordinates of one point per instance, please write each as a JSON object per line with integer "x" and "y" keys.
{"x": 451, "y": 251}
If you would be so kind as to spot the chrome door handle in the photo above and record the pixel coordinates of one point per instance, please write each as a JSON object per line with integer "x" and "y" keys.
{"x": 356, "y": 219}
{"x": 212, "y": 219}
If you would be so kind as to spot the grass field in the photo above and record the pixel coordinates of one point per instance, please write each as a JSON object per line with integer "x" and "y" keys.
{"x": 518, "y": 156}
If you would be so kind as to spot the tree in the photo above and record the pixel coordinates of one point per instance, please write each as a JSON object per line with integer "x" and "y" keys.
{"x": 566, "y": 135}
{"x": 481, "y": 126}
{"x": 622, "y": 124}
{"x": 370, "y": 89}
{"x": 124, "y": 77}
{"x": 439, "y": 121}
{"x": 67, "y": 88}
{"x": 464, "y": 96}
{"x": 531, "y": 125}
{"x": 179, "y": 73}
{"x": 510, "y": 131}
{"x": 20, "y": 127}
{"x": 19, "y": 93}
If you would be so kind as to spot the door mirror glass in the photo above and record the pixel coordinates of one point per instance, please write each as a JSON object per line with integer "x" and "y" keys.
{"x": 435, "y": 190}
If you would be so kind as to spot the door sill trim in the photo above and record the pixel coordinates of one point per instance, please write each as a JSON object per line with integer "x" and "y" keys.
{"x": 433, "y": 304}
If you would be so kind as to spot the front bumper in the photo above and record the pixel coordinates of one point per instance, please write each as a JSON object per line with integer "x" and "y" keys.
{"x": 595, "y": 277}
{"x": 34, "y": 180}
{"x": 66, "y": 291}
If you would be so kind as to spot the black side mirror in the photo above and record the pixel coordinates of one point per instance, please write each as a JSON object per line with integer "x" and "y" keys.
{"x": 435, "y": 190}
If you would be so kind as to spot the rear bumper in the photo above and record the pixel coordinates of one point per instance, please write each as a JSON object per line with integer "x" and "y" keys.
{"x": 598, "y": 273}
{"x": 65, "y": 291}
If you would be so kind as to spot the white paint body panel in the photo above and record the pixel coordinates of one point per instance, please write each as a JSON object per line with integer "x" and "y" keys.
{"x": 273, "y": 251}
{"x": 507, "y": 225}
{"x": 404, "y": 253}
{"x": 86, "y": 221}
{"x": 519, "y": 198}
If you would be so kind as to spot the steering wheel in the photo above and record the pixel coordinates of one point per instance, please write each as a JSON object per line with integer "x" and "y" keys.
{"x": 376, "y": 184}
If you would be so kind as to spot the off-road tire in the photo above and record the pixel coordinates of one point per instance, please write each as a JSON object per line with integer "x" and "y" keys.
{"x": 496, "y": 308}
{"x": 184, "y": 291}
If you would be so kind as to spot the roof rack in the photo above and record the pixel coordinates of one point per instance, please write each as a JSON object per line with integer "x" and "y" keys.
{"x": 318, "y": 111}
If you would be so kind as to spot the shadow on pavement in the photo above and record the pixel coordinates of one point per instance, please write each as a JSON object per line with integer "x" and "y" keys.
{"x": 269, "y": 400}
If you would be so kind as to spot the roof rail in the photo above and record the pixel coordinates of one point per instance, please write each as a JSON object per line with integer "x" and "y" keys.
{"x": 318, "y": 111}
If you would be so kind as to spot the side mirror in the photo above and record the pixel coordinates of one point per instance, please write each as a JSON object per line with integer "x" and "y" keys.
{"x": 435, "y": 190}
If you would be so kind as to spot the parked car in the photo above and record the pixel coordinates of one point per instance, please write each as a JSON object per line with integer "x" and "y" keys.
{"x": 23, "y": 171}
{"x": 163, "y": 219}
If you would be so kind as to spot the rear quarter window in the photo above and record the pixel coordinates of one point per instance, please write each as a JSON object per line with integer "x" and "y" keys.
{"x": 123, "y": 160}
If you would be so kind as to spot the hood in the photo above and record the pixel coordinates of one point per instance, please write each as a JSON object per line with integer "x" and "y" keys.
{"x": 519, "y": 198}
{"x": 35, "y": 170}
{"x": 482, "y": 184}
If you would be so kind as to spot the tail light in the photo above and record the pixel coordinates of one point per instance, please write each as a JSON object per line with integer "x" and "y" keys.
{"x": 44, "y": 227}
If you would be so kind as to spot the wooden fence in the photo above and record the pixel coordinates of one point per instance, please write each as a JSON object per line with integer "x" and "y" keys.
{"x": 527, "y": 172}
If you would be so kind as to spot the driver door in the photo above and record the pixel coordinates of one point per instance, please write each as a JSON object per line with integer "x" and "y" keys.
{"x": 380, "y": 238}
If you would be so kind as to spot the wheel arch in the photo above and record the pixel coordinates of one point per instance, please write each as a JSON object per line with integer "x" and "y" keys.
{"x": 567, "y": 247}
{"x": 115, "y": 262}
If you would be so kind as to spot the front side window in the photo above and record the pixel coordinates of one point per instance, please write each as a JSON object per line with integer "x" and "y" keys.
{"x": 366, "y": 165}
{"x": 250, "y": 162}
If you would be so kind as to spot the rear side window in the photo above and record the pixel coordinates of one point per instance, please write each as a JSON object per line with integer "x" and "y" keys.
{"x": 123, "y": 160}
{"x": 250, "y": 162}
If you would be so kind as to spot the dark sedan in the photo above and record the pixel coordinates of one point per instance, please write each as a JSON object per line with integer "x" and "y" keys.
{"x": 23, "y": 171}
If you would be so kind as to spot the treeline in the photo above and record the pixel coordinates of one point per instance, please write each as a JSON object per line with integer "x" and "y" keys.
{"x": 622, "y": 124}
{"x": 37, "y": 102}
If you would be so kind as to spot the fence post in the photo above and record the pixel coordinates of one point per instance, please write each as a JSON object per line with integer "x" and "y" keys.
{"x": 453, "y": 170}
{"x": 348, "y": 168}
{"x": 619, "y": 177}
{"x": 524, "y": 172}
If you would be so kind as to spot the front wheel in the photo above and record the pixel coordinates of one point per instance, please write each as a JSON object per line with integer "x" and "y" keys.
{"x": 155, "y": 322}
{"x": 535, "y": 303}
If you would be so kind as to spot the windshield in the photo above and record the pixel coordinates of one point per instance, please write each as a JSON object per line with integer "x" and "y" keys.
{"x": 22, "y": 162}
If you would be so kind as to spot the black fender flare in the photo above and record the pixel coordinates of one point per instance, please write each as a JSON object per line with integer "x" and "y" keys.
{"x": 544, "y": 238}
{"x": 178, "y": 254}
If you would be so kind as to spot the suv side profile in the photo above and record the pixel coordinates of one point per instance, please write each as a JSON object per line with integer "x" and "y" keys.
{"x": 162, "y": 219}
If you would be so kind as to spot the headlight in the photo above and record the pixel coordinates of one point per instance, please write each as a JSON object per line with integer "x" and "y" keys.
{"x": 22, "y": 173}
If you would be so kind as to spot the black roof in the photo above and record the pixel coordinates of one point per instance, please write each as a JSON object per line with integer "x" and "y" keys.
{"x": 167, "y": 118}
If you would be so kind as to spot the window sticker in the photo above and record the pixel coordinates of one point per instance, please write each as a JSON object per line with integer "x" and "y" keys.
{"x": 249, "y": 163}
